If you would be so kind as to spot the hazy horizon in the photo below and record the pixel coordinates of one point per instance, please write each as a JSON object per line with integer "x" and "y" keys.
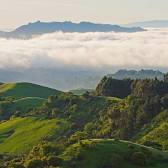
{"x": 91, "y": 51}
{"x": 19, "y": 12}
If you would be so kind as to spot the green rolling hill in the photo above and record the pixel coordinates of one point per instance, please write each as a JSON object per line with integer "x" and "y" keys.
{"x": 92, "y": 130}
{"x": 22, "y": 90}
{"x": 20, "y": 98}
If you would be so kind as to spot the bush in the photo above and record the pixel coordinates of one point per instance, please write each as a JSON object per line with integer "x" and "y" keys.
{"x": 14, "y": 165}
{"x": 17, "y": 165}
{"x": 153, "y": 144}
{"x": 77, "y": 136}
{"x": 139, "y": 158}
{"x": 53, "y": 161}
{"x": 47, "y": 149}
{"x": 34, "y": 163}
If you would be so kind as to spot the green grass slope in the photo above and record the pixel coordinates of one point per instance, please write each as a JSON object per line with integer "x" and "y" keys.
{"x": 113, "y": 154}
{"x": 157, "y": 136}
{"x": 28, "y": 103}
{"x": 21, "y": 90}
{"x": 19, "y": 135}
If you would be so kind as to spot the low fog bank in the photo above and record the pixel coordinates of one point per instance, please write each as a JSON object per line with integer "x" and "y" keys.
{"x": 76, "y": 60}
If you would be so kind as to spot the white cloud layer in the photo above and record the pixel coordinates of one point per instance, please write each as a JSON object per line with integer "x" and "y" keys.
{"x": 87, "y": 50}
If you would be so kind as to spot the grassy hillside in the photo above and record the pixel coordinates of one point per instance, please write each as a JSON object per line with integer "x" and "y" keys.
{"x": 157, "y": 136}
{"x": 21, "y": 90}
{"x": 20, "y": 98}
{"x": 155, "y": 133}
{"x": 113, "y": 154}
{"x": 79, "y": 131}
{"x": 19, "y": 135}
{"x": 80, "y": 110}
{"x": 25, "y": 104}
{"x": 19, "y": 107}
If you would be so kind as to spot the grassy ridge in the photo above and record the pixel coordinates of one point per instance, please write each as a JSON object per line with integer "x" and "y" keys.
{"x": 19, "y": 135}
{"x": 21, "y": 90}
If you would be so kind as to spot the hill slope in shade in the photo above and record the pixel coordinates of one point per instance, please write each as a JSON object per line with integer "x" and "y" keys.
{"x": 38, "y": 28}
{"x": 22, "y": 90}
{"x": 19, "y": 135}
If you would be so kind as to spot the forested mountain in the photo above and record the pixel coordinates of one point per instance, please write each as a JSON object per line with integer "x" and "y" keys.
{"x": 104, "y": 128}
{"x": 38, "y": 28}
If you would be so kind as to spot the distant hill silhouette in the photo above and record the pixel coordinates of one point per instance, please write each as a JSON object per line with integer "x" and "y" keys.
{"x": 151, "y": 24}
{"x": 133, "y": 74}
{"x": 37, "y": 28}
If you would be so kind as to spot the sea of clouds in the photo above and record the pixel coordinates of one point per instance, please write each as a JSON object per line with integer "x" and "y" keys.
{"x": 87, "y": 50}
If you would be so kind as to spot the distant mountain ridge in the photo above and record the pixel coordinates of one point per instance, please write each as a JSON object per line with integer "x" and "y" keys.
{"x": 71, "y": 80}
{"x": 38, "y": 28}
{"x": 133, "y": 74}
{"x": 150, "y": 24}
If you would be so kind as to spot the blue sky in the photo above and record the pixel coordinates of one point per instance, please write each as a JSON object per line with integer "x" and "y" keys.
{"x": 18, "y": 12}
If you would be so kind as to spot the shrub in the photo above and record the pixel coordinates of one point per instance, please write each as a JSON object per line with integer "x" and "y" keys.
{"x": 53, "y": 161}
{"x": 17, "y": 165}
{"x": 47, "y": 149}
{"x": 77, "y": 136}
{"x": 13, "y": 165}
{"x": 34, "y": 163}
{"x": 153, "y": 144}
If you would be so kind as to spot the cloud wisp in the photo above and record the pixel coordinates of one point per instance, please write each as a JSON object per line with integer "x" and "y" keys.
{"x": 87, "y": 50}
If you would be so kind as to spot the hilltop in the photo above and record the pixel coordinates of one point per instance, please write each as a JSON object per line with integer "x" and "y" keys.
{"x": 19, "y": 98}
{"x": 22, "y": 90}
